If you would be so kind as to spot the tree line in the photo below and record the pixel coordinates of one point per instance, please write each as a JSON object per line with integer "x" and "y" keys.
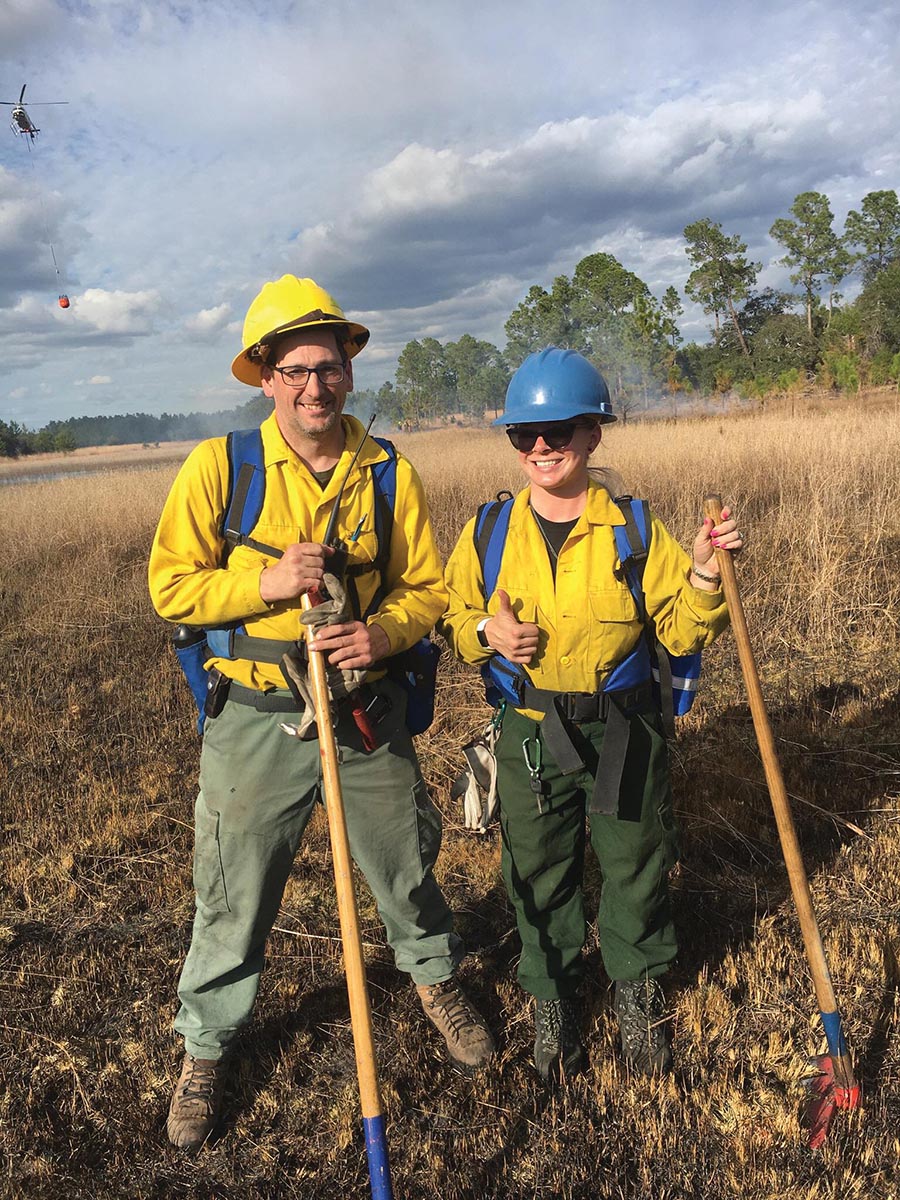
{"x": 129, "y": 428}
{"x": 761, "y": 340}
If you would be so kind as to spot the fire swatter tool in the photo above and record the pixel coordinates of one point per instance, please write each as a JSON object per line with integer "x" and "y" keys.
{"x": 832, "y": 1084}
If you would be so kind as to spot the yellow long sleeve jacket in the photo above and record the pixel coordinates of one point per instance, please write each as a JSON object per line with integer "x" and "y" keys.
{"x": 189, "y": 584}
{"x": 588, "y": 619}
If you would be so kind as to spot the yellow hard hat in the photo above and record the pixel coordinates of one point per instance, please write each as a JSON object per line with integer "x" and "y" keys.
{"x": 285, "y": 304}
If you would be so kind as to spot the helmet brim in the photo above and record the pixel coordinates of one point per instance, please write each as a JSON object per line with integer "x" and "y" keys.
{"x": 530, "y": 419}
{"x": 247, "y": 370}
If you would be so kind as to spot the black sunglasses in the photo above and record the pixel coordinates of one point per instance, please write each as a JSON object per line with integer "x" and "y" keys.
{"x": 557, "y": 436}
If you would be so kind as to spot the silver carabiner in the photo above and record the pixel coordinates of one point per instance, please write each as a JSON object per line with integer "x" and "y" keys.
{"x": 534, "y": 762}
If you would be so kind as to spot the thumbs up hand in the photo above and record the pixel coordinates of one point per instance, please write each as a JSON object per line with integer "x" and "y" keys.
{"x": 514, "y": 639}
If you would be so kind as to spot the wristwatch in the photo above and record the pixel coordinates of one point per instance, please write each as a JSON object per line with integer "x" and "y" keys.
{"x": 482, "y": 638}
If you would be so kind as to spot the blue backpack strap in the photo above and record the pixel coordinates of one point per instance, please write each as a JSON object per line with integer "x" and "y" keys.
{"x": 491, "y": 528}
{"x": 384, "y": 479}
{"x": 502, "y": 679}
{"x": 633, "y": 546}
{"x": 246, "y": 491}
{"x": 634, "y": 539}
{"x": 632, "y": 543}
{"x": 415, "y": 669}
{"x": 675, "y": 676}
{"x": 384, "y": 476}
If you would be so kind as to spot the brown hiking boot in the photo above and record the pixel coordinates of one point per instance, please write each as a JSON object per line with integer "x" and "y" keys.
{"x": 196, "y": 1101}
{"x": 468, "y": 1038}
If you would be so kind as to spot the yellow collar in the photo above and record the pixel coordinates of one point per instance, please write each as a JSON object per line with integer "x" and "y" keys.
{"x": 599, "y": 510}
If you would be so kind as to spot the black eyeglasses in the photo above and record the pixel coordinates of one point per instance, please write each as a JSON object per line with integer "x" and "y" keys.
{"x": 557, "y": 436}
{"x": 298, "y": 377}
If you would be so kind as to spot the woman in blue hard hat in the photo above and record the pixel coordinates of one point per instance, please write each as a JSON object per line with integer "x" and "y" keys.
{"x": 559, "y": 637}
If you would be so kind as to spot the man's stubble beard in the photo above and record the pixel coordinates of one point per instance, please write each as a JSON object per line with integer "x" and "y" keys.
{"x": 320, "y": 431}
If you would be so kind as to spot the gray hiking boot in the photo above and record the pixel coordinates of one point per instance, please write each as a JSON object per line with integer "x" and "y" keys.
{"x": 640, "y": 1007}
{"x": 469, "y": 1041}
{"x": 196, "y": 1101}
{"x": 558, "y": 1049}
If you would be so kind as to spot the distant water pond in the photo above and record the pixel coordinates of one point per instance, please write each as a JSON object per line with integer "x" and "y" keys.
{"x": 72, "y": 473}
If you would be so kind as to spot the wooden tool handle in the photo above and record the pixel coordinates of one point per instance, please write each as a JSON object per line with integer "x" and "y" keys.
{"x": 354, "y": 963}
{"x": 787, "y": 833}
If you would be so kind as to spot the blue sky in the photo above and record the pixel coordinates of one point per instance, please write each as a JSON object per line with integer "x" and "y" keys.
{"x": 425, "y": 163}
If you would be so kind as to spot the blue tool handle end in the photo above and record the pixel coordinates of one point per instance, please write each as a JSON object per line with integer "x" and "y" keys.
{"x": 376, "y": 1151}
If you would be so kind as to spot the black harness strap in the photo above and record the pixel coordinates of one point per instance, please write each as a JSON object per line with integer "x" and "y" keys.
{"x": 263, "y": 701}
{"x": 638, "y": 554}
{"x": 614, "y": 708}
{"x": 265, "y": 650}
{"x": 239, "y": 501}
{"x": 554, "y": 733}
{"x": 666, "y": 689}
{"x": 611, "y": 762}
{"x": 232, "y": 533}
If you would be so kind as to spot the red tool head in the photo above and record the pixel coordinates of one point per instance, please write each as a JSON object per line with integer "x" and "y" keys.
{"x": 826, "y": 1094}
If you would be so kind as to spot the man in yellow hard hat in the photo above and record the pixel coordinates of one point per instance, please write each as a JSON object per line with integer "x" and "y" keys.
{"x": 243, "y": 588}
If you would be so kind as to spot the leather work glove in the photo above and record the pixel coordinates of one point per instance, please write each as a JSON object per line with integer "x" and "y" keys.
{"x": 333, "y": 611}
{"x": 296, "y": 676}
{"x": 477, "y": 782}
{"x": 340, "y": 683}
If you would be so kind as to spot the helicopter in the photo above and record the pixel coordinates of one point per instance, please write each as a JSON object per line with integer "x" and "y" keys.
{"x": 21, "y": 122}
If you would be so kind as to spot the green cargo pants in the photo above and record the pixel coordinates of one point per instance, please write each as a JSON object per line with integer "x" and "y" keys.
{"x": 257, "y": 791}
{"x": 543, "y": 857}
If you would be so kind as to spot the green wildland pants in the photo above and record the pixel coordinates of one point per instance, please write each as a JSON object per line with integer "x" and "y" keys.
{"x": 258, "y": 787}
{"x": 543, "y": 857}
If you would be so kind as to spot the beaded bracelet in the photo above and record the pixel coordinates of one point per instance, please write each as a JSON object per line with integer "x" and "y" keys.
{"x": 706, "y": 578}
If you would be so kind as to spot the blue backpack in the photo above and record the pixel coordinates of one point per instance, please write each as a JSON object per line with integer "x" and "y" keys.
{"x": 674, "y": 677}
{"x": 414, "y": 669}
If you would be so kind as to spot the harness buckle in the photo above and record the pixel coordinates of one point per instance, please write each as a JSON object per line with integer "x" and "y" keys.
{"x": 377, "y": 707}
{"x": 580, "y": 708}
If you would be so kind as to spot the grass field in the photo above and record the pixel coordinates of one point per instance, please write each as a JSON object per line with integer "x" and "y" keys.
{"x": 98, "y": 770}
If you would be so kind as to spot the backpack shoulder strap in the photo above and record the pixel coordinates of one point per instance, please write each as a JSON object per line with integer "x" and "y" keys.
{"x": 384, "y": 477}
{"x": 503, "y": 679}
{"x": 489, "y": 534}
{"x": 384, "y": 480}
{"x": 246, "y": 491}
{"x": 633, "y": 545}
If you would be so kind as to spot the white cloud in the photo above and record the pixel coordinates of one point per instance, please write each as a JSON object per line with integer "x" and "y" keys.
{"x": 116, "y": 312}
{"x": 431, "y": 223}
{"x": 426, "y": 163}
{"x": 208, "y": 321}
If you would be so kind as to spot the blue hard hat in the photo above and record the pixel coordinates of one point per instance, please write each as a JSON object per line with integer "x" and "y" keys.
{"x": 556, "y": 385}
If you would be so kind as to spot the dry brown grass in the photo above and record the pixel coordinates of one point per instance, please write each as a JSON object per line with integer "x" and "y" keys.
{"x": 98, "y": 770}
